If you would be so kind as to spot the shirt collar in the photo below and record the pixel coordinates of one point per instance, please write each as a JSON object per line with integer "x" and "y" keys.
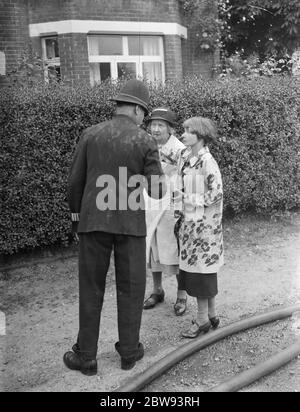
{"x": 194, "y": 158}
{"x": 123, "y": 116}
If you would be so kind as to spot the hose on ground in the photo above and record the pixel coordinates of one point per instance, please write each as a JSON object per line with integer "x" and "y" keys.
{"x": 262, "y": 369}
{"x": 139, "y": 381}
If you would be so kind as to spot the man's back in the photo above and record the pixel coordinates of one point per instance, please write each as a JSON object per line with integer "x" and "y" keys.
{"x": 108, "y": 156}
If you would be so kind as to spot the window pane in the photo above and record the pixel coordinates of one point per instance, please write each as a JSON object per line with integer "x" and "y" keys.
{"x": 2, "y": 64}
{"x": 143, "y": 46}
{"x": 105, "y": 45}
{"x": 152, "y": 71}
{"x": 127, "y": 69}
{"x": 51, "y": 48}
{"x": 104, "y": 71}
{"x": 99, "y": 72}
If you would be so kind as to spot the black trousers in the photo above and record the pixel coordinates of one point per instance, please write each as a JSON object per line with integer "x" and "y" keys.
{"x": 130, "y": 265}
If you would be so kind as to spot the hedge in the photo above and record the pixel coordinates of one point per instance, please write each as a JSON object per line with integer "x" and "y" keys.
{"x": 257, "y": 149}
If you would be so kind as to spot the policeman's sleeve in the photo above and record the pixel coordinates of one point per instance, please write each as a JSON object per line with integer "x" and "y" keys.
{"x": 155, "y": 179}
{"x": 77, "y": 179}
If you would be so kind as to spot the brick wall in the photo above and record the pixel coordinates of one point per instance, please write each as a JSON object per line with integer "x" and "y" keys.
{"x": 131, "y": 10}
{"x": 41, "y": 11}
{"x": 74, "y": 62}
{"x": 15, "y": 16}
{"x": 173, "y": 57}
{"x": 14, "y": 33}
{"x": 195, "y": 62}
{"x": 74, "y": 58}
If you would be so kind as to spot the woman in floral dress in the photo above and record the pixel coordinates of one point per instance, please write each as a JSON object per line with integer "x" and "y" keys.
{"x": 199, "y": 201}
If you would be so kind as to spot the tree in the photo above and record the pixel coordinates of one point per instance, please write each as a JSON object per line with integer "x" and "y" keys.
{"x": 202, "y": 20}
{"x": 29, "y": 71}
{"x": 262, "y": 27}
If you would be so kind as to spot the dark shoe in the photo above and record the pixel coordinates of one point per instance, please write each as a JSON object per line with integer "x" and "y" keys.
{"x": 214, "y": 322}
{"x": 180, "y": 306}
{"x": 129, "y": 363}
{"x": 76, "y": 362}
{"x": 195, "y": 330}
{"x": 154, "y": 299}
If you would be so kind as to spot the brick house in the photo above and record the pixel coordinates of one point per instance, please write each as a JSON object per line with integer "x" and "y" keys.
{"x": 91, "y": 40}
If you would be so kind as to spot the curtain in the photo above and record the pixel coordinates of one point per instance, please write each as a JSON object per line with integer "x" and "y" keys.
{"x": 150, "y": 46}
{"x": 94, "y": 73}
{"x": 152, "y": 71}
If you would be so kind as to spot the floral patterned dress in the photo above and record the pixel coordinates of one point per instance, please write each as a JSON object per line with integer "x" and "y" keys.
{"x": 201, "y": 204}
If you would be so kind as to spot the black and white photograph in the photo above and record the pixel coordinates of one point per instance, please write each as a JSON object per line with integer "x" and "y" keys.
{"x": 149, "y": 198}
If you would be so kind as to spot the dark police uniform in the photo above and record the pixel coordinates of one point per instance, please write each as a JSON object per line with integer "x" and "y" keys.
{"x": 102, "y": 151}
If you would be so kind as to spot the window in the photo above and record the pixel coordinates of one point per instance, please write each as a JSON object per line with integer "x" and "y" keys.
{"x": 51, "y": 58}
{"x": 2, "y": 64}
{"x": 114, "y": 56}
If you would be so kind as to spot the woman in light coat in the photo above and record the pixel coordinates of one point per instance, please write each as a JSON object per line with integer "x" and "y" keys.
{"x": 199, "y": 202}
{"x": 161, "y": 243}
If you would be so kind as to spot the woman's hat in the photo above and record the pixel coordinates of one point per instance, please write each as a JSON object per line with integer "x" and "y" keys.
{"x": 162, "y": 113}
{"x": 136, "y": 92}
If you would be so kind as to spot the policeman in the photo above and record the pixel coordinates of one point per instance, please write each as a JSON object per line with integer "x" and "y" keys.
{"x": 105, "y": 204}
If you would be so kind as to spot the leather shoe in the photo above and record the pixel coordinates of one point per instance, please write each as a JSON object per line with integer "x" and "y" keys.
{"x": 195, "y": 330}
{"x": 129, "y": 363}
{"x": 76, "y": 362}
{"x": 180, "y": 306}
{"x": 154, "y": 299}
{"x": 214, "y": 322}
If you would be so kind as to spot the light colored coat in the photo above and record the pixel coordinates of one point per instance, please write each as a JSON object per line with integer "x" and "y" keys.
{"x": 160, "y": 218}
{"x": 200, "y": 235}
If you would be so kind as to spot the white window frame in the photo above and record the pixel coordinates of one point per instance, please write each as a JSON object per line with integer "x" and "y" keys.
{"x": 2, "y": 63}
{"x": 55, "y": 62}
{"x": 126, "y": 58}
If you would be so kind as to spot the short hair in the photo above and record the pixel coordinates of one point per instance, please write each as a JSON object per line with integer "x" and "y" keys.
{"x": 203, "y": 128}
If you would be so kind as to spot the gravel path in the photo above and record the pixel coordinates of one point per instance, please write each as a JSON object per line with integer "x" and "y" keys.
{"x": 262, "y": 273}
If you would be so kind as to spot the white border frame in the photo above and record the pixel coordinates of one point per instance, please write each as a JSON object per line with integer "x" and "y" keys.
{"x": 55, "y": 62}
{"x": 104, "y": 26}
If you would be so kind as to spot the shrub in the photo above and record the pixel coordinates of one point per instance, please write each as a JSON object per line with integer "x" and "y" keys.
{"x": 259, "y": 126}
{"x": 258, "y": 148}
{"x": 39, "y": 131}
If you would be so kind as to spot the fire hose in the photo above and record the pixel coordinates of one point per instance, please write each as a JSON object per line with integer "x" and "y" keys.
{"x": 139, "y": 381}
